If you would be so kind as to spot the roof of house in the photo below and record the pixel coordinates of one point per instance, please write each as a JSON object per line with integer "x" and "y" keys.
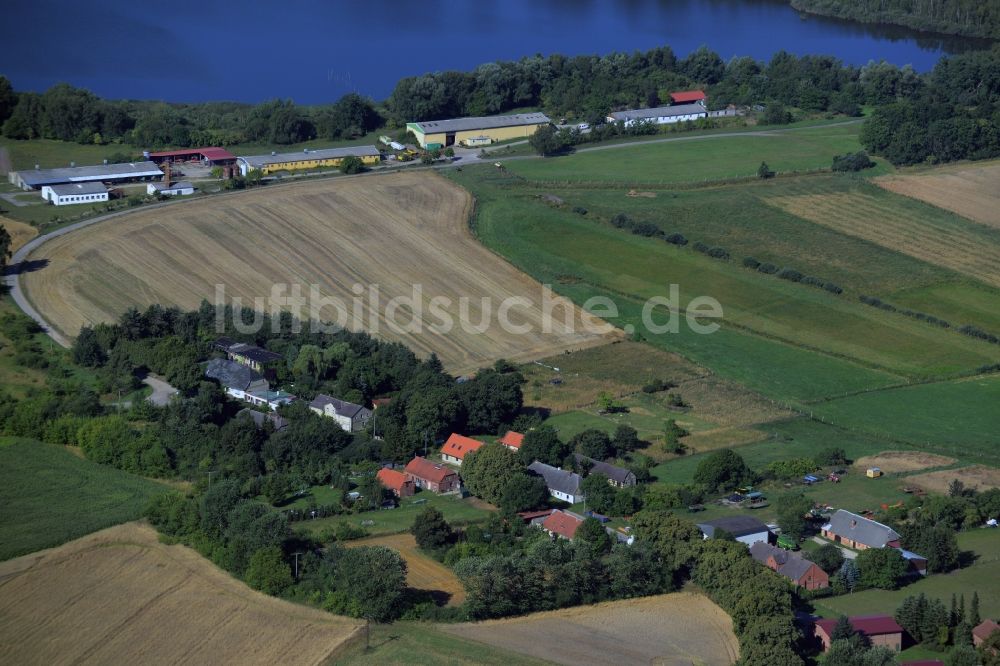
{"x": 252, "y": 352}
{"x": 260, "y": 418}
{"x": 392, "y": 479}
{"x": 66, "y": 189}
{"x": 870, "y": 625}
{"x": 985, "y": 628}
{"x": 341, "y": 407}
{"x": 557, "y": 479}
{"x": 310, "y": 154}
{"x": 39, "y": 177}
{"x": 272, "y": 396}
{"x": 860, "y": 529}
{"x": 210, "y": 153}
{"x": 736, "y": 525}
{"x": 458, "y": 446}
{"x": 658, "y": 112}
{"x": 563, "y": 523}
{"x": 180, "y": 185}
{"x": 480, "y": 123}
{"x": 425, "y": 469}
{"x": 686, "y": 96}
{"x": 512, "y": 439}
{"x": 231, "y": 374}
{"x": 616, "y": 474}
{"x": 789, "y": 564}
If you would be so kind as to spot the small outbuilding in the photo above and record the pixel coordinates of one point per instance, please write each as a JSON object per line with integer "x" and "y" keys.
{"x": 562, "y": 524}
{"x": 984, "y": 630}
{"x": 512, "y": 440}
{"x": 397, "y": 482}
{"x": 745, "y": 529}
{"x": 562, "y": 485}
{"x": 182, "y": 189}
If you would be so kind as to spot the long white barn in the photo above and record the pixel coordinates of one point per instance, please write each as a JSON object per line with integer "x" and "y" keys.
{"x": 660, "y": 115}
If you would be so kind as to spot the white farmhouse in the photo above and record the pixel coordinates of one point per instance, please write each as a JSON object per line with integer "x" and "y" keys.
{"x": 349, "y": 417}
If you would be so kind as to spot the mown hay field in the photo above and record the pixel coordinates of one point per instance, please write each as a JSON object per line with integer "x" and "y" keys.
{"x": 902, "y": 461}
{"x": 679, "y": 628}
{"x": 921, "y": 232}
{"x": 967, "y": 189}
{"x": 422, "y": 572}
{"x": 119, "y": 596}
{"x": 393, "y": 231}
{"x": 20, "y": 233}
{"x": 979, "y": 477}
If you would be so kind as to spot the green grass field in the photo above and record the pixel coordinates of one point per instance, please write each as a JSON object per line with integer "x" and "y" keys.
{"x": 772, "y": 328}
{"x": 456, "y": 511}
{"x": 49, "y": 496}
{"x": 695, "y": 159}
{"x": 983, "y": 576}
{"x": 422, "y": 645}
{"x": 957, "y": 418}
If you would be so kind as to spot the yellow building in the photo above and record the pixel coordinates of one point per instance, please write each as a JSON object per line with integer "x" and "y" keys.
{"x": 307, "y": 159}
{"x": 476, "y": 131}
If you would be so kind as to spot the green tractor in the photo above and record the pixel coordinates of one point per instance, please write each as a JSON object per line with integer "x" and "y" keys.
{"x": 787, "y": 542}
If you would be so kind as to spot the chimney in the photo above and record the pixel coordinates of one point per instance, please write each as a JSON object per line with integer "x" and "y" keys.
{"x": 166, "y": 174}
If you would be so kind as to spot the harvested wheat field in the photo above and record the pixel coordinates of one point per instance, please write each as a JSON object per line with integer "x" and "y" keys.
{"x": 968, "y": 189}
{"x": 974, "y": 476}
{"x": 671, "y": 629}
{"x": 118, "y": 596}
{"x": 935, "y": 237}
{"x": 903, "y": 461}
{"x": 20, "y": 233}
{"x": 394, "y": 231}
{"x": 422, "y": 572}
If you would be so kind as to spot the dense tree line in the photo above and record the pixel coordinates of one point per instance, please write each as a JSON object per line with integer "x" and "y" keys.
{"x": 973, "y": 18}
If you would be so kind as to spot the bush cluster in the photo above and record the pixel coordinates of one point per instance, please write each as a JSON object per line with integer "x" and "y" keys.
{"x": 658, "y": 386}
{"x": 645, "y": 229}
{"x": 975, "y": 332}
{"x": 889, "y": 307}
{"x": 791, "y": 274}
{"x": 852, "y": 162}
{"x": 713, "y": 251}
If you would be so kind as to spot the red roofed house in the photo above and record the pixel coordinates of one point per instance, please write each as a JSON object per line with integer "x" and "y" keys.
{"x": 512, "y": 440}
{"x": 431, "y": 476}
{"x": 397, "y": 482}
{"x": 562, "y": 524}
{"x": 457, "y": 446}
{"x": 688, "y": 97}
{"x": 214, "y": 156}
{"x": 983, "y": 631}
{"x": 879, "y": 629}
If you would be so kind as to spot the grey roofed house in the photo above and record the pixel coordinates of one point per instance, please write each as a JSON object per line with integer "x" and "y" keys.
{"x": 231, "y": 374}
{"x": 65, "y": 189}
{"x": 859, "y": 529}
{"x": 251, "y": 352}
{"x": 658, "y": 112}
{"x": 38, "y": 177}
{"x": 790, "y": 565}
{"x": 557, "y": 479}
{"x": 257, "y": 161}
{"x": 736, "y": 525}
{"x": 342, "y": 407}
{"x": 482, "y": 122}
{"x": 260, "y": 418}
{"x": 619, "y": 475}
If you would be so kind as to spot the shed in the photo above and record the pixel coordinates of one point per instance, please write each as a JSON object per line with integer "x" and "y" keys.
{"x": 745, "y": 529}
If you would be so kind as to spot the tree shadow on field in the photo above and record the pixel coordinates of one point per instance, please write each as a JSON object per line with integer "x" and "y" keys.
{"x": 25, "y": 267}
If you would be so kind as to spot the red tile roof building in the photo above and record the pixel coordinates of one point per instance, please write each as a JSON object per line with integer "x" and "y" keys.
{"x": 983, "y": 631}
{"x": 397, "y": 482}
{"x": 879, "y": 629}
{"x": 512, "y": 440}
{"x": 431, "y": 476}
{"x": 213, "y": 154}
{"x": 562, "y": 523}
{"x": 687, "y": 97}
{"x": 456, "y": 448}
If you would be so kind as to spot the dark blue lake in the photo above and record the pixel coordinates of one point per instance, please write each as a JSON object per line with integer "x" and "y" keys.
{"x": 313, "y": 52}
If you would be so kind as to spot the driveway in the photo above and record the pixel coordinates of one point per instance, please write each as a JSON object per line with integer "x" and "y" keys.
{"x": 162, "y": 391}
